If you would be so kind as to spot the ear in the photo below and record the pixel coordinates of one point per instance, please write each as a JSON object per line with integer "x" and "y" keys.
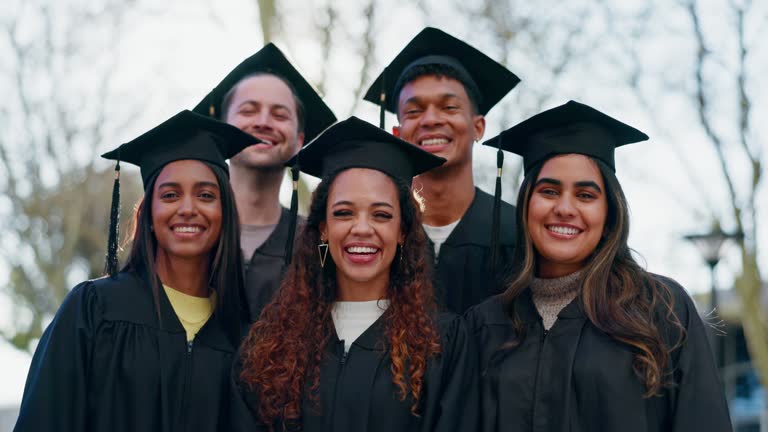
{"x": 478, "y": 124}
{"x": 300, "y": 140}
{"x": 323, "y": 232}
{"x": 396, "y": 131}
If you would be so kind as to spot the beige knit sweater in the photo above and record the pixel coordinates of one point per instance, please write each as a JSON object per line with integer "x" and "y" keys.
{"x": 551, "y": 295}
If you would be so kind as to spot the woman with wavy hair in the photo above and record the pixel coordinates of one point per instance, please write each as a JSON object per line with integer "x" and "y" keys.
{"x": 150, "y": 347}
{"x": 584, "y": 339}
{"x": 352, "y": 341}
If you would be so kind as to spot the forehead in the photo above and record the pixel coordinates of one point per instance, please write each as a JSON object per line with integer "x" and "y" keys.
{"x": 432, "y": 86}
{"x": 186, "y": 171}
{"x": 571, "y": 167}
{"x": 363, "y": 185}
{"x": 264, "y": 89}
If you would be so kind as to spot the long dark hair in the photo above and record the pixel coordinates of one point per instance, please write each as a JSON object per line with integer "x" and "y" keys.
{"x": 283, "y": 350}
{"x": 619, "y": 297}
{"x": 226, "y": 266}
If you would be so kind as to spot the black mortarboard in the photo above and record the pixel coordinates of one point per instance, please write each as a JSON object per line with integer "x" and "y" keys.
{"x": 184, "y": 136}
{"x": 354, "y": 143}
{"x": 569, "y": 128}
{"x": 317, "y": 115}
{"x": 490, "y": 80}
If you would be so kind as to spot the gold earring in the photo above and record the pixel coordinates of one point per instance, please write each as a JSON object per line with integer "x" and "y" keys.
{"x": 322, "y": 250}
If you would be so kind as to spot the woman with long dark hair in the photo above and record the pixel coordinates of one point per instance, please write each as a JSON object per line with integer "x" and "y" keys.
{"x": 150, "y": 348}
{"x": 583, "y": 338}
{"x": 352, "y": 340}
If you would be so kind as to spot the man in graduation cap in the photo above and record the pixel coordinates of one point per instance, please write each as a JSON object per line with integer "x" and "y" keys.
{"x": 267, "y": 97}
{"x": 441, "y": 88}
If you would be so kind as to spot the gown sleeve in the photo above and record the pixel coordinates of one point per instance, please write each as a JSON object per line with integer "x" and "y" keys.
{"x": 699, "y": 402}
{"x": 241, "y": 417}
{"x": 55, "y": 394}
{"x": 459, "y": 398}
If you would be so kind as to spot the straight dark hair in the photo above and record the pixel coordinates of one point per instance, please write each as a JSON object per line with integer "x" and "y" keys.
{"x": 226, "y": 266}
{"x": 619, "y": 297}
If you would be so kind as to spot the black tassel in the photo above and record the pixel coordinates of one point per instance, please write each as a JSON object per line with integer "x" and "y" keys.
{"x": 496, "y": 224}
{"x": 110, "y": 267}
{"x": 383, "y": 98}
{"x": 294, "y": 212}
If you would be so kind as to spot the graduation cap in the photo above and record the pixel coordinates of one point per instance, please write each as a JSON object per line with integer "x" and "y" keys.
{"x": 490, "y": 80}
{"x": 270, "y": 59}
{"x": 569, "y": 128}
{"x": 184, "y": 136}
{"x": 354, "y": 143}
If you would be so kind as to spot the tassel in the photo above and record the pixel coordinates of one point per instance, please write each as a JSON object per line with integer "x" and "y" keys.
{"x": 383, "y": 98}
{"x": 294, "y": 212}
{"x": 496, "y": 224}
{"x": 110, "y": 267}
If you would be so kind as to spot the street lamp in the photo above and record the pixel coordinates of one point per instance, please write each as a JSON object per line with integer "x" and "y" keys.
{"x": 709, "y": 244}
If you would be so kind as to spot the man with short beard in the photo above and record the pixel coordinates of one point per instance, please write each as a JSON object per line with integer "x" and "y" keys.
{"x": 441, "y": 88}
{"x": 268, "y": 98}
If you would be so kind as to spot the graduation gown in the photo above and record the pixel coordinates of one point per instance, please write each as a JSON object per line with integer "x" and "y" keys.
{"x": 576, "y": 378}
{"x": 105, "y": 364}
{"x": 266, "y": 268}
{"x": 357, "y": 393}
{"x": 462, "y": 276}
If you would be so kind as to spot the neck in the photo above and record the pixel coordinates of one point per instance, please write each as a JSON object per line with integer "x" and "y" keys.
{"x": 189, "y": 276}
{"x": 257, "y": 194}
{"x": 349, "y": 290}
{"x": 448, "y": 193}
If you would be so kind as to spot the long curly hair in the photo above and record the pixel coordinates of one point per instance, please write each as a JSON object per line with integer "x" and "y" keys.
{"x": 283, "y": 351}
{"x": 620, "y": 298}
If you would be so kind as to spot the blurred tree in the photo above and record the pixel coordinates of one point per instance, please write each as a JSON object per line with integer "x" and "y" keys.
{"x": 54, "y": 206}
{"x": 739, "y": 150}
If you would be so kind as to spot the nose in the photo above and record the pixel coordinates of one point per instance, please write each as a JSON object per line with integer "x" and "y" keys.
{"x": 564, "y": 207}
{"x": 187, "y": 206}
{"x": 432, "y": 116}
{"x": 262, "y": 120}
{"x": 361, "y": 227}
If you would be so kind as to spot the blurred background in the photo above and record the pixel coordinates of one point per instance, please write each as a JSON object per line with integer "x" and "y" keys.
{"x": 79, "y": 77}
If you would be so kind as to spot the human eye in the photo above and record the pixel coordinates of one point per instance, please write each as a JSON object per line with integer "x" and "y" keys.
{"x": 342, "y": 213}
{"x": 207, "y": 195}
{"x": 168, "y": 195}
{"x": 382, "y": 215}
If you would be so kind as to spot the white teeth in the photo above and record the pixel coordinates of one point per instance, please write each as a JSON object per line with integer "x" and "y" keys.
{"x": 186, "y": 229}
{"x": 267, "y": 142}
{"x": 361, "y": 250}
{"x": 434, "y": 141}
{"x": 563, "y": 230}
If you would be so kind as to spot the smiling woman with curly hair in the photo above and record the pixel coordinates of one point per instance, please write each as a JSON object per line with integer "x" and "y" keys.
{"x": 352, "y": 340}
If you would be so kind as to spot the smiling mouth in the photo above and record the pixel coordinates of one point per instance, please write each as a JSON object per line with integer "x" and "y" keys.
{"x": 564, "y": 230}
{"x": 433, "y": 142}
{"x": 185, "y": 229}
{"x": 361, "y": 250}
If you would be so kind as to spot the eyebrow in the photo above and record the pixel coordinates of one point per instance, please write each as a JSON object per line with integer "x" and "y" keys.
{"x": 583, "y": 183}
{"x": 271, "y": 107}
{"x": 197, "y": 185}
{"x": 442, "y": 97}
{"x": 376, "y": 204}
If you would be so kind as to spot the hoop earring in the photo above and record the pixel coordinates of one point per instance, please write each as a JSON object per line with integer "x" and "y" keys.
{"x": 322, "y": 250}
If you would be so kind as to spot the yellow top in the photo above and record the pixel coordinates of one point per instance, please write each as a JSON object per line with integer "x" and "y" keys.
{"x": 193, "y": 312}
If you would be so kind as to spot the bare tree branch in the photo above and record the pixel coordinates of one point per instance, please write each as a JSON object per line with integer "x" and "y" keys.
{"x": 367, "y": 51}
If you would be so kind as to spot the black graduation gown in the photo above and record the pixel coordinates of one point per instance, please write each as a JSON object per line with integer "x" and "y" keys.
{"x": 104, "y": 364}
{"x": 357, "y": 393}
{"x": 462, "y": 276}
{"x": 266, "y": 268}
{"x": 576, "y": 378}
